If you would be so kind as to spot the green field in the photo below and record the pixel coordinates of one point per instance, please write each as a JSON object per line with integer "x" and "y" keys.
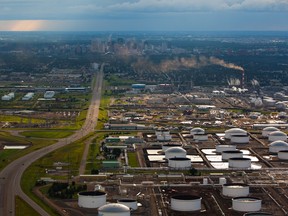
{"x": 133, "y": 161}
{"x": 53, "y": 134}
{"x": 7, "y": 156}
{"x": 22, "y": 208}
{"x": 71, "y": 154}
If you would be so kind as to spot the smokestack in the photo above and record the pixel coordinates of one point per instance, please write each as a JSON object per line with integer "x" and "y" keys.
{"x": 243, "y": 79}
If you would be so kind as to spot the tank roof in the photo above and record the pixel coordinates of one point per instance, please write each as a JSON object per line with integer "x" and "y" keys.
{"x": 180, "y": 159}
{"x": 197, "y": 129}
{"x": 175, "y": 150}
{"x": 114, "y": 207}
{"x": 236, "y": 185}
{"x": 239, "y": 158}
{"x": 186, "y": 197}
{"x": 277, "y": 133}
{"x": 270, "y": 129}
{"x": 92, "y": 193}
{"x": 246, "y": 199}
{"x": 279, "y": 143}
{"x": 232, "y": 151}
{"x": 235, "y": 130}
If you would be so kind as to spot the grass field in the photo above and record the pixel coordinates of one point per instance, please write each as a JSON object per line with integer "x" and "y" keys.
{"x": 7, "y": 156}
{"x": 54, "y": 134}
{"x": 22, "y": 208}
{"x": 133, "y": 161}
{"x": 103, "y": 113}
{"x": 71, "y": 154}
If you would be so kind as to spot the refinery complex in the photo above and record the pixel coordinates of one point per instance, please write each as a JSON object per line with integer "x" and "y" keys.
{"x": 143, "y": 124}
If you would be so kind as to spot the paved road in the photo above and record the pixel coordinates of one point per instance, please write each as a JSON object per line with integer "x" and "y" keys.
{"x": 10, "y": 177}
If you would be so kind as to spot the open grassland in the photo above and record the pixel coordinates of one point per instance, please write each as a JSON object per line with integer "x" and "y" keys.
{"x": 103, "y": 112}
{"x": 20, "y": 119}
{"x": 53, "y": 134}
{"x": 133, "y": 161}
{"x": 22, "y": 208}
{"x": 94, "y": 152}
{"x": 71, "y": 154}
{"x": 7, "y": 156}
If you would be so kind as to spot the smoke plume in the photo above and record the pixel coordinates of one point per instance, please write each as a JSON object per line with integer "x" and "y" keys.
{"x": 177, "y": 63}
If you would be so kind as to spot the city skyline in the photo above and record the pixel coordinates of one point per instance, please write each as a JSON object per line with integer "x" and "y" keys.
{"x": 146, "y": 15}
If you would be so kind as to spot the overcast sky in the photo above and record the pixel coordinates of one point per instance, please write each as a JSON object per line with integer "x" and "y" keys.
{"x": 137, "y": 15}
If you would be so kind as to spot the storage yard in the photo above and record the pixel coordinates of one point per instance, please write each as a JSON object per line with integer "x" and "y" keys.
{"x": 192, "y": 161}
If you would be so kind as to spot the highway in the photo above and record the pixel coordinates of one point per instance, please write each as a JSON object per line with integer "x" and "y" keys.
{"x": 10, "y": 176}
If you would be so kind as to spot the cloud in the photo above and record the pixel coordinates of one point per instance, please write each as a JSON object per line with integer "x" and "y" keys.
{"x": 89, "y": 9}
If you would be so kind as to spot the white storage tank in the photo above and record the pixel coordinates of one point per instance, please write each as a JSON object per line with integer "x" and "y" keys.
{"x": 246, "y": 204}
{"x": 186, "y": 203}
{"x": 277, "y": 146}
{"x": 222, "y": 180}
{"x": 243, "y": 163}
{"x": 240, "y": 139}
{"x": 179, "y": 163}
{"x": 197, "y": 130}
{"x": 131, "y": 203}
{"x": 91, "y": 199}
{"x": 205, "y": 181}
{"x": 221, "y": 148}
{"x": 114, "y": 209}
{"x": 283, "y": 154}
{"x": 175, "y": 152}
{"x": 231, "y": 154}
{"x": 200, "y": 137}
{"x": 267, "y": 130}
{"x": 234, "y": 131}
{"x": 163, "y": 137}
{"x": 235, "y": 190}
{"x": 269, "y": 102}
{"x": 169, "y": 145}
{"x": 277, "y": 135}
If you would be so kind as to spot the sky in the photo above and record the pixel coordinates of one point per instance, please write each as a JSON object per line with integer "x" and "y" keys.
{"x": 143, "y": 15}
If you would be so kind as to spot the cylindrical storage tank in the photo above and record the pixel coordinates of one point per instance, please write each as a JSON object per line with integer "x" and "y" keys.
{"x": 231, "y": 154}
{"x": 267, "y": 130}
{"x": 158, "y": 132}
{"x": 277, "y": 146}
{"x": 197, "y": 130}
{"x": 179, "y": 163}
{"x": 243, "y": 163}
{"x": 186, "y": 203}
{"x": 166, "y": 132}
{"x": 138, "y": 86}
{"x": 221, "y": 148}
{"x": 240, "y": 139}
{"x": 258, "y": 214}
{"x": 246, "y": 204}
{"x": 169, "y": 145}
{"x": 235, "y": 190}
{"x": 164, "y": 137}
{"x": 91, "y": 199}
{"x": 131, "y": 203}
{"x": 222, "y": 180}
{"x": 114, "y": 209}
{"x": 175, "y": 152}
{"x": 234, "y": 131}
{"x": 205, "y": 181}
{"x": 283, "y": 155}
{"x": 269, "y": 102}
{"x": 200, "y": 137}
{"x": 277, "y": 135}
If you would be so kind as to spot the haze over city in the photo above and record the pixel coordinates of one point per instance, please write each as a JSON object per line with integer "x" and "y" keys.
{"x": 144, "y": 15}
